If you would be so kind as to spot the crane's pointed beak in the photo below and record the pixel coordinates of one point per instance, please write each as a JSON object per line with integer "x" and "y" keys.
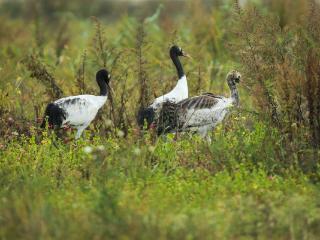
{"x": 186, "y": 55}
{"x": 110, "y": 89}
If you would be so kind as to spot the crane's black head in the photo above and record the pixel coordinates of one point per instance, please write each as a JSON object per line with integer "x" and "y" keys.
{"x": 103, "y": 75}
{"x": 177, "y": 51}
{"x": 103, "y": 78}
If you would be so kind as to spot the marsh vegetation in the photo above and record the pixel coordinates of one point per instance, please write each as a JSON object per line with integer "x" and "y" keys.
{"x": 259, "y": 176}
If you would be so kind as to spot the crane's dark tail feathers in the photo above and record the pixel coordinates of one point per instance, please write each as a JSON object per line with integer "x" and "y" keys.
{"x": 167, "y": 119}
{"x": 54, "y": 115}
{"x": 145, "y": 114}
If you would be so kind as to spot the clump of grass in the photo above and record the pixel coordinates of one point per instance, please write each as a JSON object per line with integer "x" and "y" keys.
{"x": 80, "y": 75}
{"x": 144, "y": 84}
{"x": 39, "y": 71}
{"x": 109, "y": 57}
{"x": 257, "y": 52}
{"x": 114, "y": 184}
{"x": 311, "y": 43}
{"x": 282, "y": 68}
{"x": 102, "y": 53}
{"x": 130, "y": 187}
{"x": 100, "y": 48}
{"x": 39, "y": 36}
{"x": 62, "y": 39}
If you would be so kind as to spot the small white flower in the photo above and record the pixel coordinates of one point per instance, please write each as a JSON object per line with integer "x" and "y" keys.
{"x": 151, "y": 148}
{"x": 120, "y": 133}
{"x": 87, "y": 149}
{"x": 61, "y": 59}
{"x": 137, "y": 151}
{"x": 100, "y": 147}
{"x": 108, "y": 123}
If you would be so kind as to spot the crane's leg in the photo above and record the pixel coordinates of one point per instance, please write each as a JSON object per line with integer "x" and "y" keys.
{"x": 208, "y": 138}
{"x": 80, "y": 130}
{"x": 203, "y": 132}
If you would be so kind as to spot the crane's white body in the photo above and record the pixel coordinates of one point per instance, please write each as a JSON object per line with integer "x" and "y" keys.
{"x": 80, "y": 110}
{"x": 177, "y": 94}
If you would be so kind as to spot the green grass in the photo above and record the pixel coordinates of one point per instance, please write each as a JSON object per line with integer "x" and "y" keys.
{"x": 115, "y": 187}
{"x": 255, "y": 180}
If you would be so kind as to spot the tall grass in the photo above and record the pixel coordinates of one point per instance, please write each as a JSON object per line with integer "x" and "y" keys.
{"x": 257, "y": 179}
{"x": 281, "y": 63}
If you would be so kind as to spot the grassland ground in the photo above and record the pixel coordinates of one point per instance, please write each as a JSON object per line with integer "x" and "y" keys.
{"x": 258, "y": 178}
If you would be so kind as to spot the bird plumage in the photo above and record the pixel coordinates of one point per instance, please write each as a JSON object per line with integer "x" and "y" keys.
{"x": 178, "y": 93}
{"x": 197, "y": 114}
{"x": 78, "y": 111}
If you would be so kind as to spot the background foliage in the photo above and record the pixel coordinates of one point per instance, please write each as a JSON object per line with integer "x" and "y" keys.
{"x": 257, "y": 179}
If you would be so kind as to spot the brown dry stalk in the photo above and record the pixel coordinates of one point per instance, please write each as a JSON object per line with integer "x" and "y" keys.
{"x": 80, "y": 76}
{"x": 62, "y": 40}
{"x": 141, "y": 63}
{"x": 100, "y": 43}
{"x": 39, "y": 71}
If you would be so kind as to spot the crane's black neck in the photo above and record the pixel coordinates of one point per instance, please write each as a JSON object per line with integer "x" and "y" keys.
{"x": 103, "y": 87}
{"x": 103, "y": 78}
{"x": 177, "y": 63}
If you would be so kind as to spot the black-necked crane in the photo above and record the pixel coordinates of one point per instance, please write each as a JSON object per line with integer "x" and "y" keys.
{"x": 78, "y": 111}
{"x": 200, "y": 113}
{"x": 178, "y": 93}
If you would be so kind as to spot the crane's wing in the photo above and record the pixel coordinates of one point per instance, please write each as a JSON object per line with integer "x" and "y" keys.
{"x": 176, "y": 116}
{"x": 78, "y": 109}
{"x": 199, "y": 102}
